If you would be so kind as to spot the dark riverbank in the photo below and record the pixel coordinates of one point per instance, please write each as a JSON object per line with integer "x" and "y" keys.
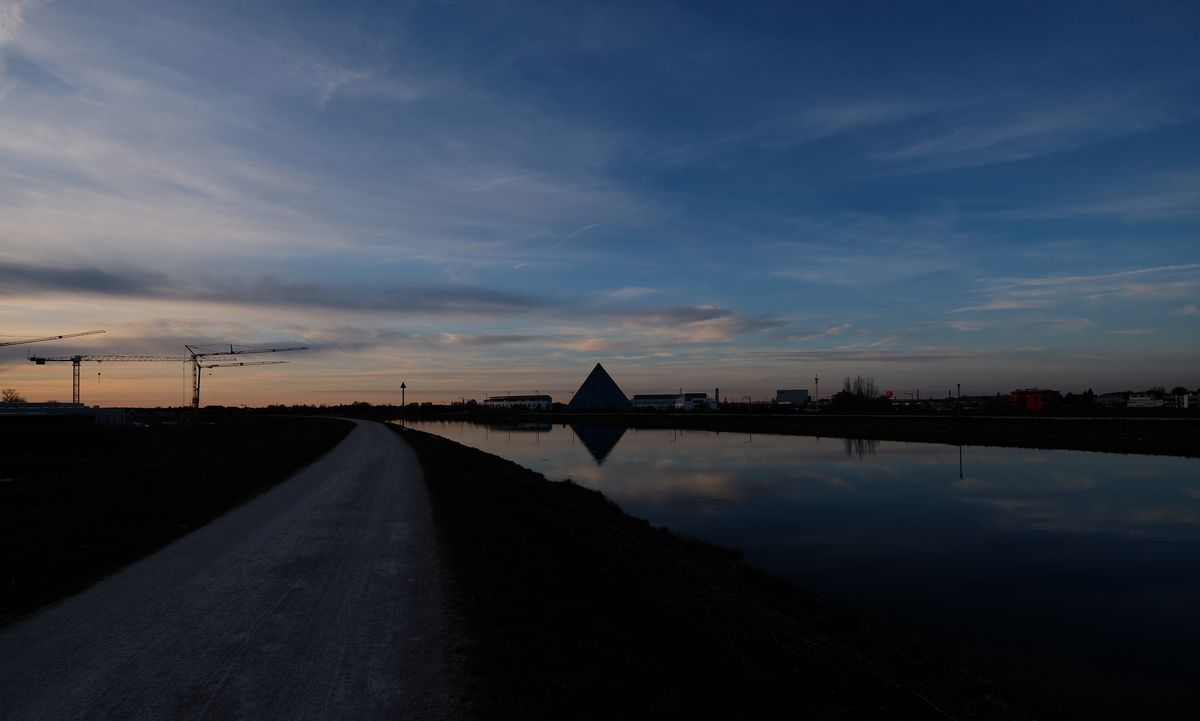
{"x": 573, "y": 609}
{"x": 1171, "y": 436}
{"x": 79, "y": 501}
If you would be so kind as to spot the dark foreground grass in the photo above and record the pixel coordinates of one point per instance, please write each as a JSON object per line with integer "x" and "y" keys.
{"x": 78, "y": 501}
{"x": 575, "y": 610}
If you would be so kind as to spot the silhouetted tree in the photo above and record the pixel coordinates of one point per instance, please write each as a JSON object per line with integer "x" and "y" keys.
{"x": 1085, "y": 399}
{"x": 860, "y": 393}
{"x": 10, "y": 395}
{"x": 1179, "y": 391}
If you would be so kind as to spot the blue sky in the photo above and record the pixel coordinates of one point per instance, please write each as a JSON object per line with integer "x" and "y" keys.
{"x": 490, "y": 197}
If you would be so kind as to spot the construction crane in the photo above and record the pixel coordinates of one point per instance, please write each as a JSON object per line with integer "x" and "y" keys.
{"x": 49, "y": 338}
{"x": 77, "y": 360}
{"x": 206, "y": 366}
{"x": 200, "y": 353}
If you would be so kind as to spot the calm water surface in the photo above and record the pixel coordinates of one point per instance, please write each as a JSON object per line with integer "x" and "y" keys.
{"x": 1072, "y": 571}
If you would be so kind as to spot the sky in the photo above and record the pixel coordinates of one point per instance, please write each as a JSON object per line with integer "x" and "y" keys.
{"x": 479, "y": 198}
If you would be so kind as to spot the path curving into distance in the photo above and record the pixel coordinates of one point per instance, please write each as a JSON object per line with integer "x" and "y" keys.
{"x": 319, "y": 599}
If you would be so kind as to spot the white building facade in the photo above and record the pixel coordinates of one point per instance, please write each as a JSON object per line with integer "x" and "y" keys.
{"x": 674, "y": 402}
{"x": 527, "y": 403}
{"x": 798, "y": 398}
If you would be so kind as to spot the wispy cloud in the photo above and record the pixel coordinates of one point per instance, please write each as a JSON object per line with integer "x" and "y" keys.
{"x": 11, "y": 19}
{"x": 829, "y": 331}
{"x": 1167, "y": 281}
{"x": 872, "y": 111}
{"x": 1003, "y": 305}
{"x": 968, "y": 326}
{"x": 1186, "y": 310}
{"x": 632, "y": 292}
{"x": 1160, "y": 196}
{"x": 584, "y": 229}
{"x": 1067, "y": 325}
{"x": 807, "y": 122}
{"x": 600, "y": 344}
{"x": 192, "y": 171}
{"x": 353, "y": 338}
{"x": 326, "y": 74}
{"x": 697, "y": 324}
{"x": 485, "y": 340}
{"x": 990, "y": 132}
{"x": 921, "y": 354}
{"x": 30, "y": 280}
{"x": 858, "y": 249}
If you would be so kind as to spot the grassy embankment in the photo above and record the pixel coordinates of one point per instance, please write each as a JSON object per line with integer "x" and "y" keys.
{"x": 78, "y": 501}
{"x": 575, "y": 610}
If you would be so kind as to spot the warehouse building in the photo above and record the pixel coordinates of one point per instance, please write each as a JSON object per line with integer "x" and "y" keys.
{"x": 796, "y": 398}
{"x": 527, "y": 403}
{"x": 674, "y": 402}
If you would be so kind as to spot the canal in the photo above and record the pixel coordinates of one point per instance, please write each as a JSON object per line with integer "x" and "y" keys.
{"x": 1073, "y": 573}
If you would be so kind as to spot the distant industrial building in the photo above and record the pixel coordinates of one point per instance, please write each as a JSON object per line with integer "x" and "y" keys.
{"x": 529, "y": 403}
{"x": 655, "y": 401}
{"x": 674, "y": 402}
{"x": 1144, "y": 400}
{"x": 599, "y": 392}
{"x": 102, "y": 416}
{"x": 46, "y": 409}
{"x": 797, "y": 398}
{"x": 1034, "y": 399}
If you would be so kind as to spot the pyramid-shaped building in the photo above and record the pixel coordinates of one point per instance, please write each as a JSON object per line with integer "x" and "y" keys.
{"x": 598, "y": 392}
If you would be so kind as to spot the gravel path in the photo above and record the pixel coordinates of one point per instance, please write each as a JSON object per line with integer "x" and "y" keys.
{"x": 319, "y": 599}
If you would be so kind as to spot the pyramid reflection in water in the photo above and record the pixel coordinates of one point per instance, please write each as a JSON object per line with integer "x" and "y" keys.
{"x": 599, "y": 440}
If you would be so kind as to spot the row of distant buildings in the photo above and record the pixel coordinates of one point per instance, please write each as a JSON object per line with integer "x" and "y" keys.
{"x": 1037, "y": 398}
{"x": 600, "y": 392}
